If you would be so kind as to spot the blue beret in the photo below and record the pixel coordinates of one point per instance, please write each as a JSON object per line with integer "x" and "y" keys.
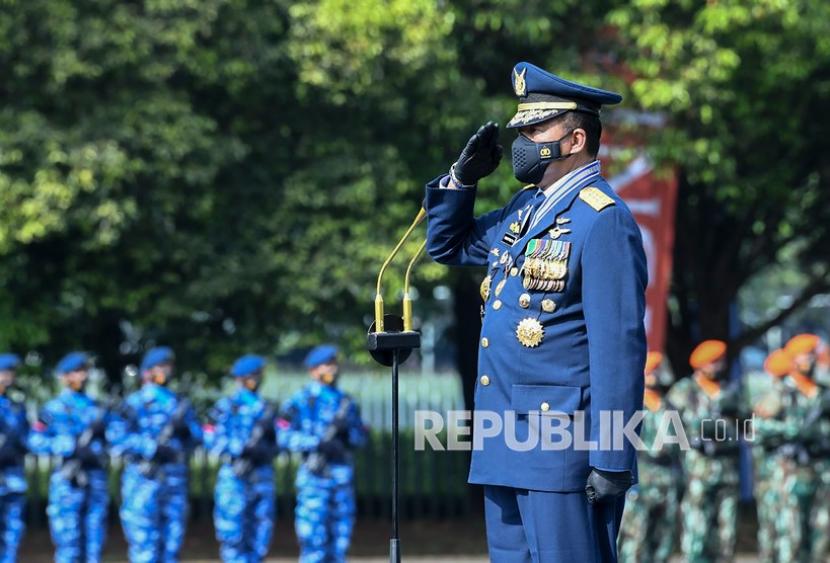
{"x": 156, "y": 356}
{"x": 322, "y": 354}
{"x": 246, "y": 365}
{"x": 9, "y": 362}
{"x": 543, "y": 95}
{"x": 73, "y": 361}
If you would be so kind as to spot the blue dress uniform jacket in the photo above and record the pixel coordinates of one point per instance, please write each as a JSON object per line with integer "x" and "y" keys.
{"x": 325, "y": 511}
{"x": 244, "y": 505}
{"x": 154, "y": 508}
{"x": 592, "y": 350}
{"x": 77, "y": 512}
{"x": 15, "y": 430}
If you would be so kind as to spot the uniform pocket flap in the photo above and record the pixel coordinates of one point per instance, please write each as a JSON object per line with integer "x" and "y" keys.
{"x": 555, "y": 399}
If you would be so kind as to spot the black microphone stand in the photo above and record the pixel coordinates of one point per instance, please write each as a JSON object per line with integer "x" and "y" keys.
{"x": 391, "y": 347}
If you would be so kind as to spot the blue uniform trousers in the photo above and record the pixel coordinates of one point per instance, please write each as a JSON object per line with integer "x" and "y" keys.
{"x": 325, "y": 514}
{"x": 12, "y": 525}
{"x": 154, "y": 513}
{"x": 543, "y": 527}
{"x": 244, "y": 514}
{"x": 78, "y": 517}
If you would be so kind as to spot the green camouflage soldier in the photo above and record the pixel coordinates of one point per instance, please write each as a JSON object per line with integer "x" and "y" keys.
{"x": 802, "y": 523}
{"x": 650, "y": 517}
{"x": 821, "y": 515}
{"x": 709, "y": 408}
{"x": 769, "y": 436}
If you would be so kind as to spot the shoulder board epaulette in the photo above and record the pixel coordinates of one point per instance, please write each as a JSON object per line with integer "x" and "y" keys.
{"x": 596, "y": 198}
{"x": 529, "y": 187}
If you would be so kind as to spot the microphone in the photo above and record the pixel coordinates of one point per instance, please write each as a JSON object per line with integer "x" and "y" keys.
{"x": 379, "y": 316}
{"x": 407, "y": 298}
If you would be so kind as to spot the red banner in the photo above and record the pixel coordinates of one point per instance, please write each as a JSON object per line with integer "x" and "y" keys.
{"x": 652, "y": 199}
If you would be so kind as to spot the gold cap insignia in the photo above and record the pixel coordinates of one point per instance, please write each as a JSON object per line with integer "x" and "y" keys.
{"x": 596, "y": 198}
{"x": 519, "y": 85}
{"x": 530, "y": 332}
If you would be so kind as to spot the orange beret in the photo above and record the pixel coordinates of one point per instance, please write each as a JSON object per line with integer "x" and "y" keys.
{"x": 707, "y": 352}
{"x": 653, "y": 361}
{"x": 779, "y": 363}
{"x": 802, "y": 344}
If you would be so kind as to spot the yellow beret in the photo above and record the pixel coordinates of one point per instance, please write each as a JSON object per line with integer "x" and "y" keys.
{"x": 802, "y": 344}
{"x": 707, "y": 352}
{"x": 779, "y": 363}
{"x": 653, "y": 361}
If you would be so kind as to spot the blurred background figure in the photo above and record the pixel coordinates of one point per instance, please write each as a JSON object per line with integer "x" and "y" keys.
{"x": 14, "y": 431}
{"x": 766, "y": 450}
{"x": 156, "y": 434}
{"x": 243, "y": 434}
{"x": 72, "y": 427}
{"x": 323, "y": 423}
{"x": 649, "y": 523}
{"x": 710, "y": 504}
{"x": 802, "y": 515}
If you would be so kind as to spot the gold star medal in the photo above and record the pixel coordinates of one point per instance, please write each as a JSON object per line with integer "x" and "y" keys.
{"x": 530, "y": 332}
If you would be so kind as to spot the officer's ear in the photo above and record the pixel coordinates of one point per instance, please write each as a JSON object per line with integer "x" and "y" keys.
{"x": 579, "y": 140}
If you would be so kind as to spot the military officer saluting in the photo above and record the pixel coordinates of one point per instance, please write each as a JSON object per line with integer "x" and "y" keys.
{"x": 562, "y": 336}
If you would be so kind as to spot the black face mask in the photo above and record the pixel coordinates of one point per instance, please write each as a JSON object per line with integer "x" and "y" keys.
{"x": 531, "y": 159}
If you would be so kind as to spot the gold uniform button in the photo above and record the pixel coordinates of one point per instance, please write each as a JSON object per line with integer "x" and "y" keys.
{"x": 545, "y": 407}
{"x": 514, "y": 271}
{"x": 524, "y": 300}
{"x": 484, "y": 342}
{"x": 485, "y": 380}
{"x": 497, "y": 304}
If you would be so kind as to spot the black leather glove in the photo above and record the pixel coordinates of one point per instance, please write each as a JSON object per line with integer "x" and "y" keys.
{"x": 332, "y": 449}
{"x": 86, "y": 455}
{"x": 480, "y": 157}
{"x": 165, "y": 454}
{"x": 606, "y": 485}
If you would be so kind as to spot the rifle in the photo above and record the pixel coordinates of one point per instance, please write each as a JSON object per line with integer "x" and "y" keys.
{"x": 74, "y": 468}
{"x": 149, "y": 467}
{"x": 262, "y": 430}
{"x": 9, "y": 440}
{"x": 318, "y": 460}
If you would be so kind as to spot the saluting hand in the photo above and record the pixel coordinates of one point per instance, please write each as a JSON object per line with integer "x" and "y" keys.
{"x": 480, "y": 157}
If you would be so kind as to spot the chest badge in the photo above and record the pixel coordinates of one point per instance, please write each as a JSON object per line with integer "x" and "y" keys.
{"x": 484, "y": 289}
{"x": 530, "y": 332}
{"x": 558, "y": 231}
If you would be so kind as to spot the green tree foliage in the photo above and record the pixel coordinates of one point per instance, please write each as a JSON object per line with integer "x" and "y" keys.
{"x": 228, "y": 174}
{"x": 743, "y": 85}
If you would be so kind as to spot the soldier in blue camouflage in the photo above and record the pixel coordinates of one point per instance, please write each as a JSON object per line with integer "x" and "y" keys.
{"x": 323, "y": 423}
{"x": 243, "y": 435}
{"x": 156, "y": 434}
{"x": 649, "y": 521}
{"x": 709, "y": 407}
{"x": 72, "y": 426}
{"x": 14, "y": 430}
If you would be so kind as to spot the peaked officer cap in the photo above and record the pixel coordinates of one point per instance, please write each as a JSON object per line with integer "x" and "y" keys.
{"x": 543, "y": 95}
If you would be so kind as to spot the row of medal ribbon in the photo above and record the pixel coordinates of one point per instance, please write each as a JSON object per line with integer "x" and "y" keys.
{"x": 546, "y": 265}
